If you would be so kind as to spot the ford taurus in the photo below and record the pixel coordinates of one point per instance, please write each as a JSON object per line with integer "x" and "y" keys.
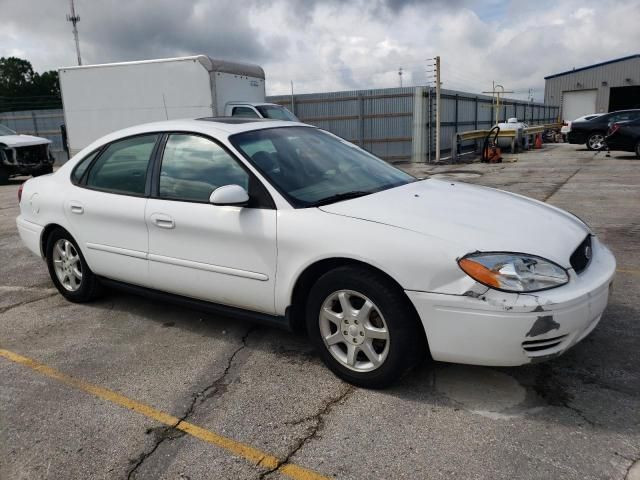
{"x": 287, "y": 224}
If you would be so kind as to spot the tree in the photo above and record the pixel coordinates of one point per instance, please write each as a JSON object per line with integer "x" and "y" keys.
{"x": 23, "y": 89}
{"x": 16, "y": 76}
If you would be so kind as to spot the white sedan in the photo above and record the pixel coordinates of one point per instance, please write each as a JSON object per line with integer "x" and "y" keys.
{"x": 284, "y": 223}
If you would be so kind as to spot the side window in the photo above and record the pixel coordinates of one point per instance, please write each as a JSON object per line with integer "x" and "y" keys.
{"x": 193, "y": 167}
{"x": 81, "y": 167}
{"x": 122, "y": 167}
{"x": 244, "y": 112}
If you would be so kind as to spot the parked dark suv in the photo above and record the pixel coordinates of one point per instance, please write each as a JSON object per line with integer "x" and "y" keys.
{"x": 592, "y": 132}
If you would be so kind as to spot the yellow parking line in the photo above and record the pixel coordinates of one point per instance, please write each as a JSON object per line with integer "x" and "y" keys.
{"x": 632, "y": 271}
{"x": 255, "y": 456}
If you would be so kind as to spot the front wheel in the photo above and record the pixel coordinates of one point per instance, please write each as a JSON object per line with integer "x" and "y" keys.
{"x": 68, "y": 269}
{"x": 363, "y": 327}
{"x": 4, "y": 176}
{"x": 595, "y": 141}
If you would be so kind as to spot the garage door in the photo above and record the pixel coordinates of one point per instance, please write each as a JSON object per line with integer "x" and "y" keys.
{"x": 577, "y": 104}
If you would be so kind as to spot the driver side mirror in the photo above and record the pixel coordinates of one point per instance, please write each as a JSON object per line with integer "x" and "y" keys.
{"x": 231, "y": 195}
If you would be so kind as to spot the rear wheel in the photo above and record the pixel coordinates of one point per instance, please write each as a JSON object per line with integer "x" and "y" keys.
{"x": 68, "y": 269}
{"x": 595, "y": 141}
{"x": 4, "y": 176}
{"x": 363, "y": 327}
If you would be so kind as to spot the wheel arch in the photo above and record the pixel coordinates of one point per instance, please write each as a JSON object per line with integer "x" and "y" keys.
{"x": 307, "y": 278}
{"x": 44, "y": 237}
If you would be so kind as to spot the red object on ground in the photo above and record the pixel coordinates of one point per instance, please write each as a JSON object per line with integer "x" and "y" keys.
{"x": 538, "y": 143}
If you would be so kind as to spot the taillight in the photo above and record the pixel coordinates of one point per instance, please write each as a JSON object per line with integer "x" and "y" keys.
{"x": 20, "y": 192}
{"x": 614, "y": 128}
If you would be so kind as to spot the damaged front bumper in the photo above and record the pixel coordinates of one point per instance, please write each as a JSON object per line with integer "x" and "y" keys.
{"x": 26, "y": 160}
{"x": 496, "y": 328}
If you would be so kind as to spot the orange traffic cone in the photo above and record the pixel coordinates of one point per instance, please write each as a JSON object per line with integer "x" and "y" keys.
{"x": 538, "y": 143}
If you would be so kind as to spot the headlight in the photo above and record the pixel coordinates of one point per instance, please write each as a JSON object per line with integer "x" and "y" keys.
{"x": 513, "y": 272}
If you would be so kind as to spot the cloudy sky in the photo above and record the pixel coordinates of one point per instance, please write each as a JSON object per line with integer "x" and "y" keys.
{"x": 327, "y": 45}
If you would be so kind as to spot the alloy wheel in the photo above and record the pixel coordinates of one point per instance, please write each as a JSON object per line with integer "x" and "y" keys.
{"x": 67, "y": 265}
{"x": 354, "y": 331}
{"x": 596, "y": 141}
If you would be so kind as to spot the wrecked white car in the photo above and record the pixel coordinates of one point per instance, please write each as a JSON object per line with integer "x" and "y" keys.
{"x": 286, "y": 224}
{"x": 23, "y": 155}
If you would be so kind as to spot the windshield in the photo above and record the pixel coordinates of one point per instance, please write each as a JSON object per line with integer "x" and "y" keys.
{"x": 276, "y": 112}
{"x": 6, "y": 130}
{"x": 311, "y": 167}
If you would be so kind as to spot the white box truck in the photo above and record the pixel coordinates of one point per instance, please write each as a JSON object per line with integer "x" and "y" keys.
{"x": 99, "y": 99}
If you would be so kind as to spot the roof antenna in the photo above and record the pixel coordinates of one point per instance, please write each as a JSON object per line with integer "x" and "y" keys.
{"x": 166, "y": 114}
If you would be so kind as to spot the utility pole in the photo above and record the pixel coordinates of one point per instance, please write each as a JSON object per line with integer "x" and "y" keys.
{"x": 496, "y": 97}
{"x": 292, "y": 102}
{"x": 400, "y": 75}
{"x": 74, "y": 19}
{"x": 437, "y": 109}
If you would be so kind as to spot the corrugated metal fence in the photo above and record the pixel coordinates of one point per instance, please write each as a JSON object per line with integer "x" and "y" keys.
{"x": 41, "y": 123}
{"x": 383, "y": 121}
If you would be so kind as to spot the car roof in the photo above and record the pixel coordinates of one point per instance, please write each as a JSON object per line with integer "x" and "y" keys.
{"x": 220, "y": 128}
{"x": 215, "y": 126}
{"x": 253, "y": 104}
{"x": 623, "y": 111}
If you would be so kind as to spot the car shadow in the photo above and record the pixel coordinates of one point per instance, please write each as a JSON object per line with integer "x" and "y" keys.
{"x": 623, "y": 156}
{"x": 579, "y": 389}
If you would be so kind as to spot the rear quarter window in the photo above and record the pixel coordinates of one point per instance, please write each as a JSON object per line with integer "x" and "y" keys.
{"x": 122, "y": 166}
{"x": 81, "y": 167}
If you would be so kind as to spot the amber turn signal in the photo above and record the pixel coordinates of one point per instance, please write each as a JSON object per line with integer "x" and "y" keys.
{"x": 479, "y": 272}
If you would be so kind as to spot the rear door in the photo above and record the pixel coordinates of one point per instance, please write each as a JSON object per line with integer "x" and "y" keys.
{"x": 222, "y": 254}
{"x": 106, "y": 208}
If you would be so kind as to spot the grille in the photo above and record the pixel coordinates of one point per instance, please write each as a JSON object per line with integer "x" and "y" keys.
{"x": 545, "y": 344}
{"x": 582, "y": 255}
{"x": 31, "y": 154}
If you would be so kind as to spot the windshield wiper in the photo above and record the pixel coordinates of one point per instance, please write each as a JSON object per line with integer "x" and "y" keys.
{"x": 338, "y": 197}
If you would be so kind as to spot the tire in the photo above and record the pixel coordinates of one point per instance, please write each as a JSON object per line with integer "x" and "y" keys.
{"x": 44, "y": 171}
{"x": 638, "y": 149}
{"x": 4, "y": 176}
{"x": 594, "y": 139}
{"x": 74, "y": 289}
{"x": 389, "y": 311}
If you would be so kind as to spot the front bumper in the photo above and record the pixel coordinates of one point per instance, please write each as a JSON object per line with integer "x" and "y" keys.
{"x": 509, "y": 329}
{"x": 26, "y": 160}
{"x": 576, "y": 137}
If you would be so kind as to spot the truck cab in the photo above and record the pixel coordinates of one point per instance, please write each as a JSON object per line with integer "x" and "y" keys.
{"x": 259, "y": 110}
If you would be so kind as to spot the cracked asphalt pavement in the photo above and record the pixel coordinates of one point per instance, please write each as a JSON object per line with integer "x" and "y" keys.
{"x": 574, "y": 417}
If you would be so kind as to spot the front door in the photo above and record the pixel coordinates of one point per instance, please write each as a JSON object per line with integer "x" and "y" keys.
{"x": 222, "y": 254}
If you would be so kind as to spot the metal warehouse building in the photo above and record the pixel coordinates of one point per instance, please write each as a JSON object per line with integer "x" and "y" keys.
{"x": 603, "y": 87}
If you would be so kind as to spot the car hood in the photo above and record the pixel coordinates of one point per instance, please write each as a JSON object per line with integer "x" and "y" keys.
{"x": 472, "y": 218}
{"x": 22, "y": 140}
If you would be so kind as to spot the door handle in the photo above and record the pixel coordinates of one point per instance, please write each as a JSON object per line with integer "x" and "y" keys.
{"x": 162, "y": 221}
{"x": 76, "y": 208}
